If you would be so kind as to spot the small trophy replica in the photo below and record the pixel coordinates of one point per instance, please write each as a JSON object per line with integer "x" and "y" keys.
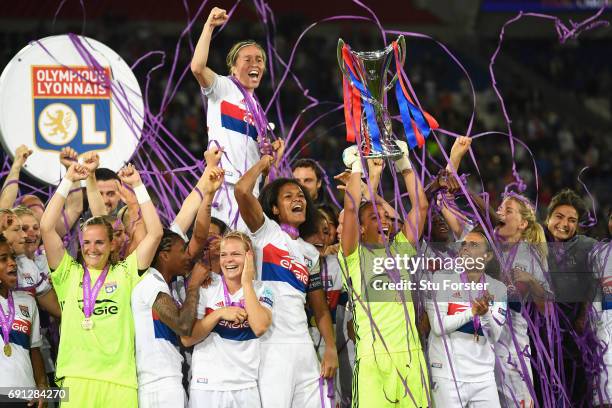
{"x": 365, "y": 110}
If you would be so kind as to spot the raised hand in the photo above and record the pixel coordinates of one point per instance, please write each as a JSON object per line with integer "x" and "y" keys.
{"x": 279, "y": 148}
{"x": 129, "y": 175}
{"x": 447, "y": 181}
{"x": 91, "y": 161}
{"x": 265, "y": 162}
{"x": 217, "y": 17}
{"x": 265, "y": 147}
{"x": 402, "y": 163}
{"x": 125, "y": 194}
{"x": 460, "y": 147}
{"x": 248, "y": 270}
{"x": 213, "y": 156}
{"x": 68, "y": 156}
{"x": 376, "y": 166}
{"x": 76, "y": 172}
{"x": 214, "y": 177}
{"x": 351, "y": 159}
{"x": 343, "y": 179}
{"x": 21, "y": 155}
{"x": 200, "y": 273}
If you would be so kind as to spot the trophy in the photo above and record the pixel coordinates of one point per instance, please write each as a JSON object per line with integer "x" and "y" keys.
{"x": 365, "y": 103}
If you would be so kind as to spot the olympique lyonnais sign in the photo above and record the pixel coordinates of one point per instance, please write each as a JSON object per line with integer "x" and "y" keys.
{"x": 65, "y": 97}
{"x": 49, "y": 99}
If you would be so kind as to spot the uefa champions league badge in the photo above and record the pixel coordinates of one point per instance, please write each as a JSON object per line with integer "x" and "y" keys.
{"x": 69, "y": 91}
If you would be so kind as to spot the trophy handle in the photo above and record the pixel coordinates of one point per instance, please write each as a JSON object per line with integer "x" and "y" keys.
{"x": 340, "y": 59}
{"x": 401, "y": 42}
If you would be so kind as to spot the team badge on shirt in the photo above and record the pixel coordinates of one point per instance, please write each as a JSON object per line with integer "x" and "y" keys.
{"x": 28, "y": 278}
{"x": 110, "y": 287}
{"x": 25, "y": 311}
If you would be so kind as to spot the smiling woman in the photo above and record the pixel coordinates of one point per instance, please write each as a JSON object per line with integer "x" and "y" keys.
{"x": 94, "y": 319}
{"x": 234, "y": 311}
{"x": 234, "y": 116}
{"x": 277, "y": 222}
{"x": 20, "y": 359}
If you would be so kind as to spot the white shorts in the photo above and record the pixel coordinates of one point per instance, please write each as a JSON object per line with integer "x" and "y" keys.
{"x": 450, "y": 394}
{"x": 603, "y": 394}
{"x": 512, "y": 388}
{"x": 225, "y": 208}
{"x": 289, "y": 377}
{"x": 168, "y": 392}
{"x": 248, "y": 397}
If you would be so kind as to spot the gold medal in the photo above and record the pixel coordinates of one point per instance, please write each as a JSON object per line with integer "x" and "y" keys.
{"x": 7, "y": 350}
{"x": 87, "y": 323}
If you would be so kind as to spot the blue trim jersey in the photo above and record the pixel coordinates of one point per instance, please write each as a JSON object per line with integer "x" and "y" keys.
{"x": 290, "y": 267}
{"x": 157, "y": 352}
{"x": 228, "y": 359}
{"x": 231, "y": 126}
{"x": 24, "y": 334}
{"x": 453, "y": 350}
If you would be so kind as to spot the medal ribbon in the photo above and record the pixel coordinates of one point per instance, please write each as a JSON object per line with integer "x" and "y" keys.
{"x": 6, "y": 321}
{"x": 90, "y": 294}
{"x": 254, "y": 108}
{"x": 476, "y": 320}
{"x": 228, "y": 300}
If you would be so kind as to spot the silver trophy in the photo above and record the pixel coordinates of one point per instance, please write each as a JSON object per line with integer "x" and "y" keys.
{"x": 372, "y": 72}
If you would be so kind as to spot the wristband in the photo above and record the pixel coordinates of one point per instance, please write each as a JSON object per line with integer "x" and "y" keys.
{"x": 356, "y": 167}
{"x": 142, "y": 195}
{"x": 64, "y": 187}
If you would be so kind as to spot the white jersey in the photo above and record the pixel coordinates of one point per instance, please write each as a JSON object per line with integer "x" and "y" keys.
{"x": 290, "y": 267}
{"x": 602, "y": 254}
{"x": 452, "y": 323}
{"x": 230, "y": 126}
{"x": 522, "y": 256}
{"x": 331, "y": 279}
{"x": 33, "y": 275}
{"x": 25, "y": 334}
{"x": 157, "y": 352}
{"x": 603, "y": 269}
{"x": 228, "y": 359}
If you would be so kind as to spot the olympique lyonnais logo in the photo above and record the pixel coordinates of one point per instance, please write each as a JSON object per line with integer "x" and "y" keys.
{"x": 71, "y": 107}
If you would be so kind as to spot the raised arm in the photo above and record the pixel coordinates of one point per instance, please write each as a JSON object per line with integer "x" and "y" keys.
{"x": 459, "y": 149}
{"x": 74, "y": 203}
{"x": 193, "y": 202}
{"x": 248, "y": 205}
{"x": 145, "y": 251}
{"x": 180, "y": 320}
{"x": 91, "y": 160}
{"x": 54, "y": 247}
{"x": 415, "y": 221}
{"x": 352, "y": 199}
{"x": 214, "y": 179}
{"x": 277, "y": 149}
{"x": 259, "y": 317}
{"x": 199, "y": 62}
{"x": 10, "y": 186}
{"x": 131, "y": 219}
{"x": 375, "y": 169}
